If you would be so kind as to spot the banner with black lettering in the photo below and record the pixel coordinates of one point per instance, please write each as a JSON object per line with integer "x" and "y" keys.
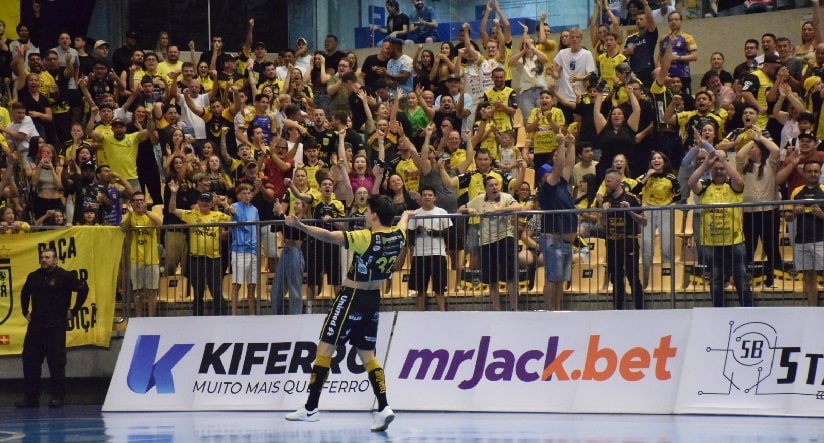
{"x": 754, "y": 361}
{"x": 93, "y": 252}
{"x": 234, "y": 363}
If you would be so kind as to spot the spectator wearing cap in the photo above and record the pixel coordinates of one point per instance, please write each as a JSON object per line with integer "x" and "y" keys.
{"x": 303, "y": 58}
{"x": 558, "y": 230}
{"x": 265, "y": 190}
{"x": 229, "y": 77}
{"x": 121, "y": 148}
{"x": 123, "y": 55}
{"x": 101, "y": 51}
{"x": 259, "y": 53}
{"x": 791, "y": 172}
{"x": 793, "y": 126}
{"x": 808, "y": 248}
{"x": 462, "y": 101}
{"x": 757, "y": 88}
{"x": 204, "y": 265}
{"x": 791, "y": 168}
{"x": 101, "y": 81}
{"x": 88, "y": 192}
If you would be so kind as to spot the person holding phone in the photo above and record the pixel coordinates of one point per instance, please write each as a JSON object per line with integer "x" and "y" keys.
{"x": 46, "y": 179}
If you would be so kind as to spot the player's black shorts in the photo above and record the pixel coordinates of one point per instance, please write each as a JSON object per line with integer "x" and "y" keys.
{"x": 353, "y": 318}
{"x": 425, "y": 266}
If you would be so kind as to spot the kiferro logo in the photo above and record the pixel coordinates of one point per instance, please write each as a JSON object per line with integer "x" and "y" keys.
{"x": 146, "y": 371}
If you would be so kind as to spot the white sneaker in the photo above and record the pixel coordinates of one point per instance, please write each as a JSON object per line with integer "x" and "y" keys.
{"x": 382, "y": 419}
{"x": 303, "y": 415}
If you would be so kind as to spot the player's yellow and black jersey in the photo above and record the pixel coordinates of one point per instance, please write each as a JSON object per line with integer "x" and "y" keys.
{"x": 375, "y": 253}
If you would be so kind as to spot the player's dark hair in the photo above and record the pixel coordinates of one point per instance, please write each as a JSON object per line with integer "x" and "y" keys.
{"x": 382, "y": 206}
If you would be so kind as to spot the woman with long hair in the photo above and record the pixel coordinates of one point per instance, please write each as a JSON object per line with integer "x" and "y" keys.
{"x": 204, "y": 77}
{"x": 358, "y": 208}
{"x": 353, "y": 60}
{"x": 758, "y": 162}
{"x": 177, "y": 148}
{"x": 424, "y": 63}
{"x": 402, "y": 199}
{"x": 616, "y": 135}
{"x": 299, "y": 190}
{"x": 317, "y": 78}
{"x": 9, "y": 223}
{"x": 620, "y": 163}
{"x": 300, "y": 92}
{"x": 530, "y": 63}
{"x": 417, "y": 117}
{"x": 587, "y": 221}
{"x": 598, "y": 32}
{"x": 78, "y": 139}
{"x": 443, "y": 66}
{"x": 89, "y": 217}
{"x": 162, "y": 46}
{"x": 810, "y": 35}
{"x": 220, "y": 183}
{"x": 148, "y": 156}
{"x": 485, "y": 133}
{"x": 291, "y": 265}
{"x": 53, "y": 217}
{"x": 658, "y": 188}
{"x": 46, "y": 181}
{"x": 361, "y": 176}
{"x": 75, "y": 152}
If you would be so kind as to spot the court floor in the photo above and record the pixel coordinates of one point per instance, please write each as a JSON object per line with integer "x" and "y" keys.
{"x": 88, "y": 424}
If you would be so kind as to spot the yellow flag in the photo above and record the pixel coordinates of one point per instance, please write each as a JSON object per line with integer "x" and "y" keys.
{"x": 93, "y": 252}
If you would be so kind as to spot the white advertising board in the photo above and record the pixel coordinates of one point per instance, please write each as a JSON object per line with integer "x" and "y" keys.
{"x": 756, "y": 361}
{"x": 233, "y": 363}
{"x": 604, "y": 361}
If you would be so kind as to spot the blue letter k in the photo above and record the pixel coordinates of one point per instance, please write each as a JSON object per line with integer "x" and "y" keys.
{"x": 144, "y": 372}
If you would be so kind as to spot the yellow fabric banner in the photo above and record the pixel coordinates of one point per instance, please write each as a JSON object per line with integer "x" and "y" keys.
{"x": 93, "y": 252}
{"x": 10, "y": 14}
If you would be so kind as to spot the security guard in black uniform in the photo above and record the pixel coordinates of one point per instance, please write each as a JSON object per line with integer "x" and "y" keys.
{"x": 49, "y": 290}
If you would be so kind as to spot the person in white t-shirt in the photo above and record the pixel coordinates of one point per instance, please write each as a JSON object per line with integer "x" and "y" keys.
{"x": 430, "y": 225}
{"x": 572, "y": 66}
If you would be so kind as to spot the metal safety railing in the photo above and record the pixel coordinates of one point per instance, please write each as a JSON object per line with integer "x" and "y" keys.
{"x": 682, "y": 256}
